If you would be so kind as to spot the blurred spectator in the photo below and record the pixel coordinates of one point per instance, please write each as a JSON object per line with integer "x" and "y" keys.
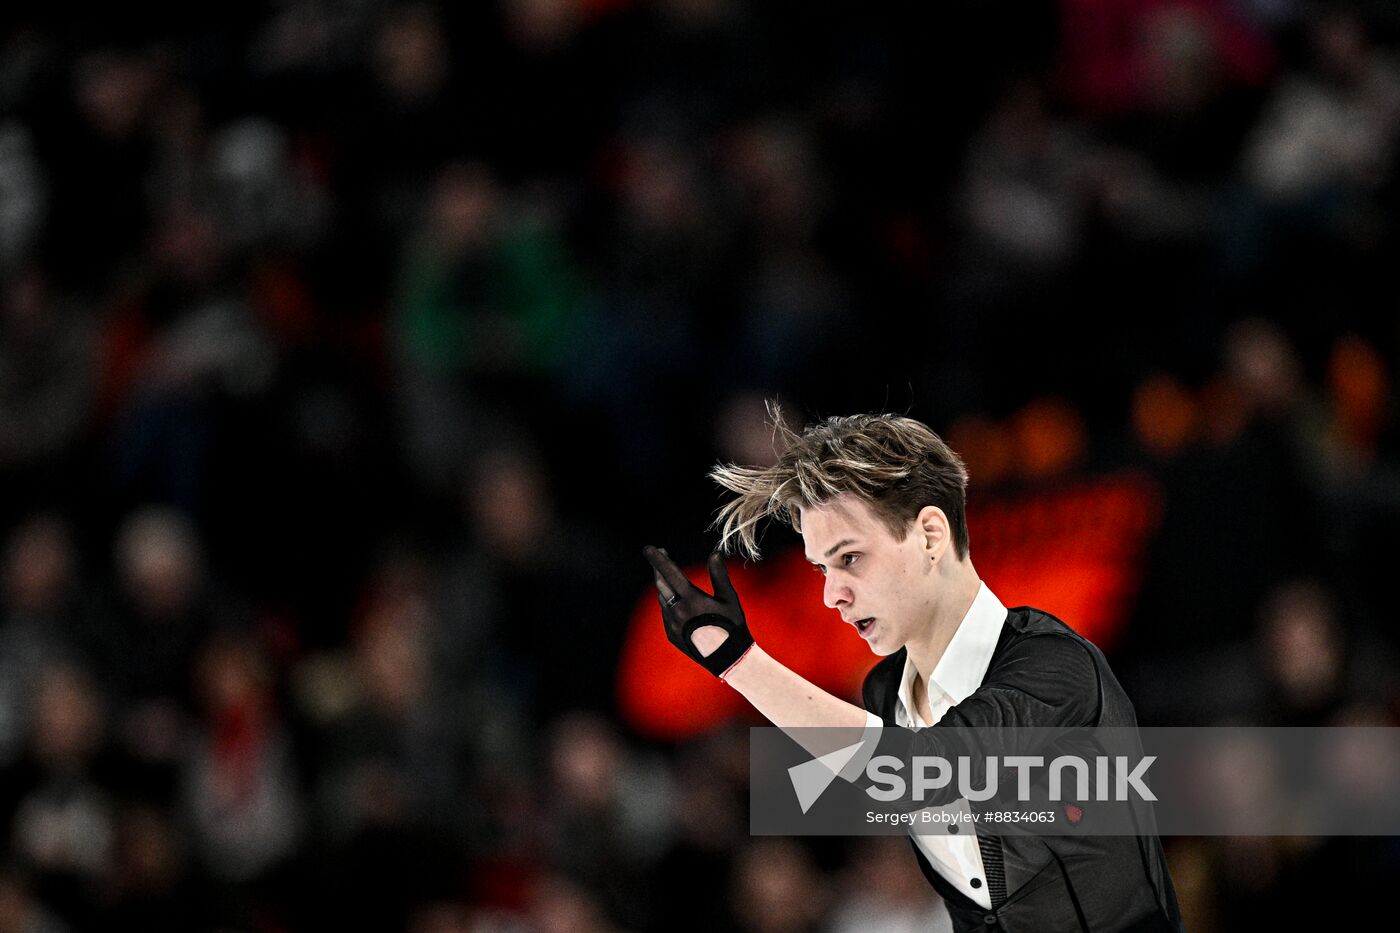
{"x": 177, "y": 352}
{"x": 401, "y": 84}
{"x": 792, "y": 306}
{"x": 456, "y": 918}
{"x": 260, "y": 199}
{"x": 660, "y": 250}
{"x": 710, "y": 827}
{"x": 1303, "y": 656}
{"x": 396, "y": 784}
{"x": 1021, "y": 207}
{"x": 21, "y": 912}
{"x": 40, "y": 616}
{"x": 23, "y": 194}
{"x": 1117, "y": 57}
{"x": 524, "y": 570}
{"x": 565, "y": 69}
{"x": 1316, "y": 665}
{"x": 1024, "y": 189}
{"x": 395, "y": 733}
{"x": 1329, "y": 135}
{"x": 166, "y": 603}
{"x": 152, "y": 885}
{"x": 777, "y": 889}
{"x": 57, "y": 804}
{"x": 241, "y": 792}
{"x": 1248, "y": 461}
{"x": 885, "y": 893}
{"x": 608, "y": 814}
{"x": 47, "y": 357}
{"x": 97, "y": 221}
{"x": 558, "y": 905}
{"x": 484, "y": 305}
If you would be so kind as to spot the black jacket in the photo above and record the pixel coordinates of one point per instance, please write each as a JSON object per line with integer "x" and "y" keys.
{"x": 1043, "y": 673}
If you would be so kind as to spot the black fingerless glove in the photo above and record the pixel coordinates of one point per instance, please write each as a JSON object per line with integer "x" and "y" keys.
{"x": 692, "y": 608}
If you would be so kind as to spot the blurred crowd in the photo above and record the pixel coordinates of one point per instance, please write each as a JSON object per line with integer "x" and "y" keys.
{"x": 349, "y": 352}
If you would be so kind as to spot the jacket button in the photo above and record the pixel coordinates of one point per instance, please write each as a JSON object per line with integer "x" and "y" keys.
{"x": 990, "y": 920}
{"x": 952, "y": 827}
{"x": 976, "y": 882}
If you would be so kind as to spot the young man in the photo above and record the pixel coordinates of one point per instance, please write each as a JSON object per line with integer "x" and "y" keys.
{"x": 879, "y": 502}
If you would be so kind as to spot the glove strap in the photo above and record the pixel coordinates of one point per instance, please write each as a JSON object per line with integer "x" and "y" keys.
{"x": 724, "y": 677}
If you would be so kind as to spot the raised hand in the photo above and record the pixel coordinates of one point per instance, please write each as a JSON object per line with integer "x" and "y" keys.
{"x": 686, "y": 608}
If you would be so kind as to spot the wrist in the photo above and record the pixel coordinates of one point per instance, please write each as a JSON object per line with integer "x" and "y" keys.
{"x": 736, "y": 674}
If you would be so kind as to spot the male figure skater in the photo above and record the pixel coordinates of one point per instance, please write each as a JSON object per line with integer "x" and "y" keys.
{"x": 879, "y": 502}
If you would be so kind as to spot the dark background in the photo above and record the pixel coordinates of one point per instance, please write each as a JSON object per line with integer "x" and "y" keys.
{"x": 349, "y": 352}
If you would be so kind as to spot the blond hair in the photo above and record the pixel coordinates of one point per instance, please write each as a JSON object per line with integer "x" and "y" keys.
{"x": 894, "y": 463}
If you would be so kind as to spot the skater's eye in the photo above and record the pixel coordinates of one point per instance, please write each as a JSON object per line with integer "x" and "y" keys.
{"x": 847, "y": 560}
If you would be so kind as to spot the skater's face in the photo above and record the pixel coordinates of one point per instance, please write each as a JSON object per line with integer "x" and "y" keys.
{"x": 884, "y": 587}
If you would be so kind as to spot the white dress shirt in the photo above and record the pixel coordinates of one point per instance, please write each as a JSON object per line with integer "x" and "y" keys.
{"x": 954, "y": 855}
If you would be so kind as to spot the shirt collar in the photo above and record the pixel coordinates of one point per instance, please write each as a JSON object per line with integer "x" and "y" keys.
{"x": 968, "y": 655}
